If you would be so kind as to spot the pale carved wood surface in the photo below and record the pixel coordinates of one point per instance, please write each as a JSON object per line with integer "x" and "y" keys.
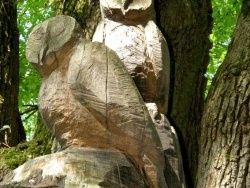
{"x": 77, "y": 167}
{"x": 88, "y": 99}
{"x": 128, "y": 28}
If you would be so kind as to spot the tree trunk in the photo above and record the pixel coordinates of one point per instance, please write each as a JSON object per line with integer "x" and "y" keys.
{"x": 42, "y": 133}
{"x": 187, "y": 25}
{"x": 225, "y": 142}
{"x": 86, "y": 12}
{"x": 9, "y": 75}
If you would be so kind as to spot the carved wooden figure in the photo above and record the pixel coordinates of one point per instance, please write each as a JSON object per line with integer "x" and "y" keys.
{"x": 128, "y": 28}
{"x": 88, "y": 99}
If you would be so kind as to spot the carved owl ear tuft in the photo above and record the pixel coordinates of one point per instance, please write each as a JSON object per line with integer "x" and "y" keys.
{"x": 49, "y": 38}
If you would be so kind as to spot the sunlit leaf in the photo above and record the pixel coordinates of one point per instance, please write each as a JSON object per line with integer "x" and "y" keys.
{"x": 225, "y": 13}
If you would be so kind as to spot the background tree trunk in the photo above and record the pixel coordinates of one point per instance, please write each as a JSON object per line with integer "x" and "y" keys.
{"x": 9, "y": 74}
{"x": 225, "y": 142}
{"x": 187, "y": 25}
{"x": 86, "y": 12}
{"x": 42, "y": 133}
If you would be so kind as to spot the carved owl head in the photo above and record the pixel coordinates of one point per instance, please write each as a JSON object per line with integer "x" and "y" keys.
{"x": 49, "y": 39}
{"x": 128, "y": 11}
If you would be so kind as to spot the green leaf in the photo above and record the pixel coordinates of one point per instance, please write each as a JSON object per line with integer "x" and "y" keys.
{"x": 30, "y": 13}
{"x": 225, "y": 13}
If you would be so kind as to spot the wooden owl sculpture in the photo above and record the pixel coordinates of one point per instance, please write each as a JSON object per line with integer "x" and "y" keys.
{"x": 88, "y": 99}
{"x": 128, "y": 28}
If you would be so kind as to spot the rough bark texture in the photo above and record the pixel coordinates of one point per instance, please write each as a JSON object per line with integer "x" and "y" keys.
{"x": 187, "y": 25}
{"x": 78, "y": 167}
{"x": 86, "y": 12}
{"x": 43, "y": 133}
{"x": 225, "y": 142}
{"x": 9, "y": 75}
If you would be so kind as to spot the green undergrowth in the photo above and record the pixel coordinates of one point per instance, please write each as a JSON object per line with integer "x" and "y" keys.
{"x": 16, "y": 156}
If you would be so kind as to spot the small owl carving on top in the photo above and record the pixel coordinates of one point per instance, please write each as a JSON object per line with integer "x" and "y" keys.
{"x": 128, "y": 27}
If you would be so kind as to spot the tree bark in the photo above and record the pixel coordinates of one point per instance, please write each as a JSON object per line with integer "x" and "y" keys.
{"x": 225, "y": 142}
{"x": 86, "y": 12}
{"x": 9, "y": 75}
{"x": 187, "y": 25}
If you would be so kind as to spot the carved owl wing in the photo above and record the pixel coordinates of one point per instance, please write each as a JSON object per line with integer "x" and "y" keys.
{"x": 100, "y": 82}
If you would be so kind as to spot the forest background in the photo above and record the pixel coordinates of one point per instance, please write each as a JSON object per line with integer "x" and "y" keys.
{"x": 224, "y": 15}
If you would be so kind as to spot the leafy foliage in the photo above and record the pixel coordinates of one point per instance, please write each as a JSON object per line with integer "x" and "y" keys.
{"x": 30, "y": 13}
{"x": 225, "y": 13}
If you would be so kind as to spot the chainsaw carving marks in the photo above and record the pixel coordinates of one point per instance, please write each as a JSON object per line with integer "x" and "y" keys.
{"x": 128, "y": 28}
{"x": 89, "y": 100}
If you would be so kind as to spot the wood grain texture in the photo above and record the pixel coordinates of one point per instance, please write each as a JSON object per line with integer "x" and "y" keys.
{"x": 225, "y": 142}
{"x": 88, "y": 99}
{"x": 140, "y": 45}
{"x": 77, "y": 167}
